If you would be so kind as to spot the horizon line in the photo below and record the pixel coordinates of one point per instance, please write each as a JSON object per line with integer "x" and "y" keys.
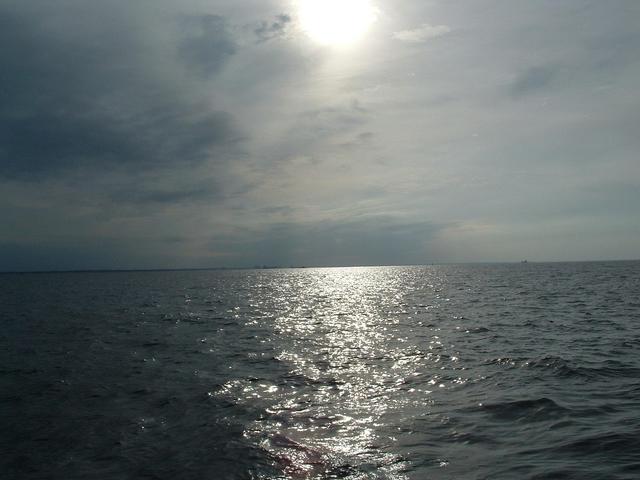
{"x": 301, "y": 267}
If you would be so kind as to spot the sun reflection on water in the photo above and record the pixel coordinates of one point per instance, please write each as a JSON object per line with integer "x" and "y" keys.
{"x": 353, "y": 371}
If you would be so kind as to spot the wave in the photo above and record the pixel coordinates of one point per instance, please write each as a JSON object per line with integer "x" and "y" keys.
{"x": 530, "y": 410}
{"x": 562, "y": 367}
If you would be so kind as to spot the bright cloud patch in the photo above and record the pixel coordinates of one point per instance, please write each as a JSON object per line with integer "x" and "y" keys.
{"x": 421, "y": 34}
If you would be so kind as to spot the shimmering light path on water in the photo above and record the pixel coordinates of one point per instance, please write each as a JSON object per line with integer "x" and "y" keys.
{"x": 437, "y": 372}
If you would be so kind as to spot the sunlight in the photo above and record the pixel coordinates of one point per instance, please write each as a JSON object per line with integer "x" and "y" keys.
{"x": 336, "y": 22}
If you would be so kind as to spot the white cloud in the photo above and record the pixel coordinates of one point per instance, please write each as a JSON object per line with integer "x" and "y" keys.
{"x": 421, "y": 34}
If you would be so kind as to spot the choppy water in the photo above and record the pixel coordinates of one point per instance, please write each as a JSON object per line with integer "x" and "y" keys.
{"x": 440, "y": 372}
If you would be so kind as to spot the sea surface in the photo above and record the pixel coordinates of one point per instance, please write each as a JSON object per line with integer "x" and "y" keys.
{"x": 502, "y": 371}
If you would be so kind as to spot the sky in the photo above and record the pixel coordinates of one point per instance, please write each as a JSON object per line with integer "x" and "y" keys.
{"x": 193, "y": 133}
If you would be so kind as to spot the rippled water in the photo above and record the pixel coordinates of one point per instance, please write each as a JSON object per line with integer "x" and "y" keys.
{"x": 437, "y": 372}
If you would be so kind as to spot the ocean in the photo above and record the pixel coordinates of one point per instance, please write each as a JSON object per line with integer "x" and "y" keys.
{"x": 497, "y": 371}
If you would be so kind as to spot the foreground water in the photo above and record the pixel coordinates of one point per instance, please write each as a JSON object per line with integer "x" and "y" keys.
{"x": 438, "y": 372}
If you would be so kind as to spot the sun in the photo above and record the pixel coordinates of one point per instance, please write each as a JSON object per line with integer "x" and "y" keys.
{"x": 336, "y": 22}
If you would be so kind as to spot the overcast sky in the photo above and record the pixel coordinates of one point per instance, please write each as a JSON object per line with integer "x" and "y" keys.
{"x": 193, "y": 133}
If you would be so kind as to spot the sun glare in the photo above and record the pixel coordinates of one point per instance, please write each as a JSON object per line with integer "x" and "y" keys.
{"x": 336, "y": 22}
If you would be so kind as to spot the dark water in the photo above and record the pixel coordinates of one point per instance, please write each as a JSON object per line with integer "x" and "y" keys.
{"x": 519, "y": 371}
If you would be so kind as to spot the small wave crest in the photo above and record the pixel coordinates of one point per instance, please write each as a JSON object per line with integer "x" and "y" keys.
{"x": 562, "y": 367}
{"x": 530, "y": 410}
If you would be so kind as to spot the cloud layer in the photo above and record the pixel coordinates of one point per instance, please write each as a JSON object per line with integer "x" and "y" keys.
{"x": 421, "y": 34}
{"x": 188, "y": 134}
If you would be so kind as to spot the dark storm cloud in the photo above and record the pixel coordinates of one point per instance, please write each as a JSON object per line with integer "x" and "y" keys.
{"x": 45, "y": 257}
{"x": 274, "y": 29}
{"x": 208, "y": 43}
{"x": 74, "y": 98}
{"x": 166, "y": 196}
{"x": 40, "y": 143}
{"x": 372, "y": 240}
{"x": 203, "y": 190}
